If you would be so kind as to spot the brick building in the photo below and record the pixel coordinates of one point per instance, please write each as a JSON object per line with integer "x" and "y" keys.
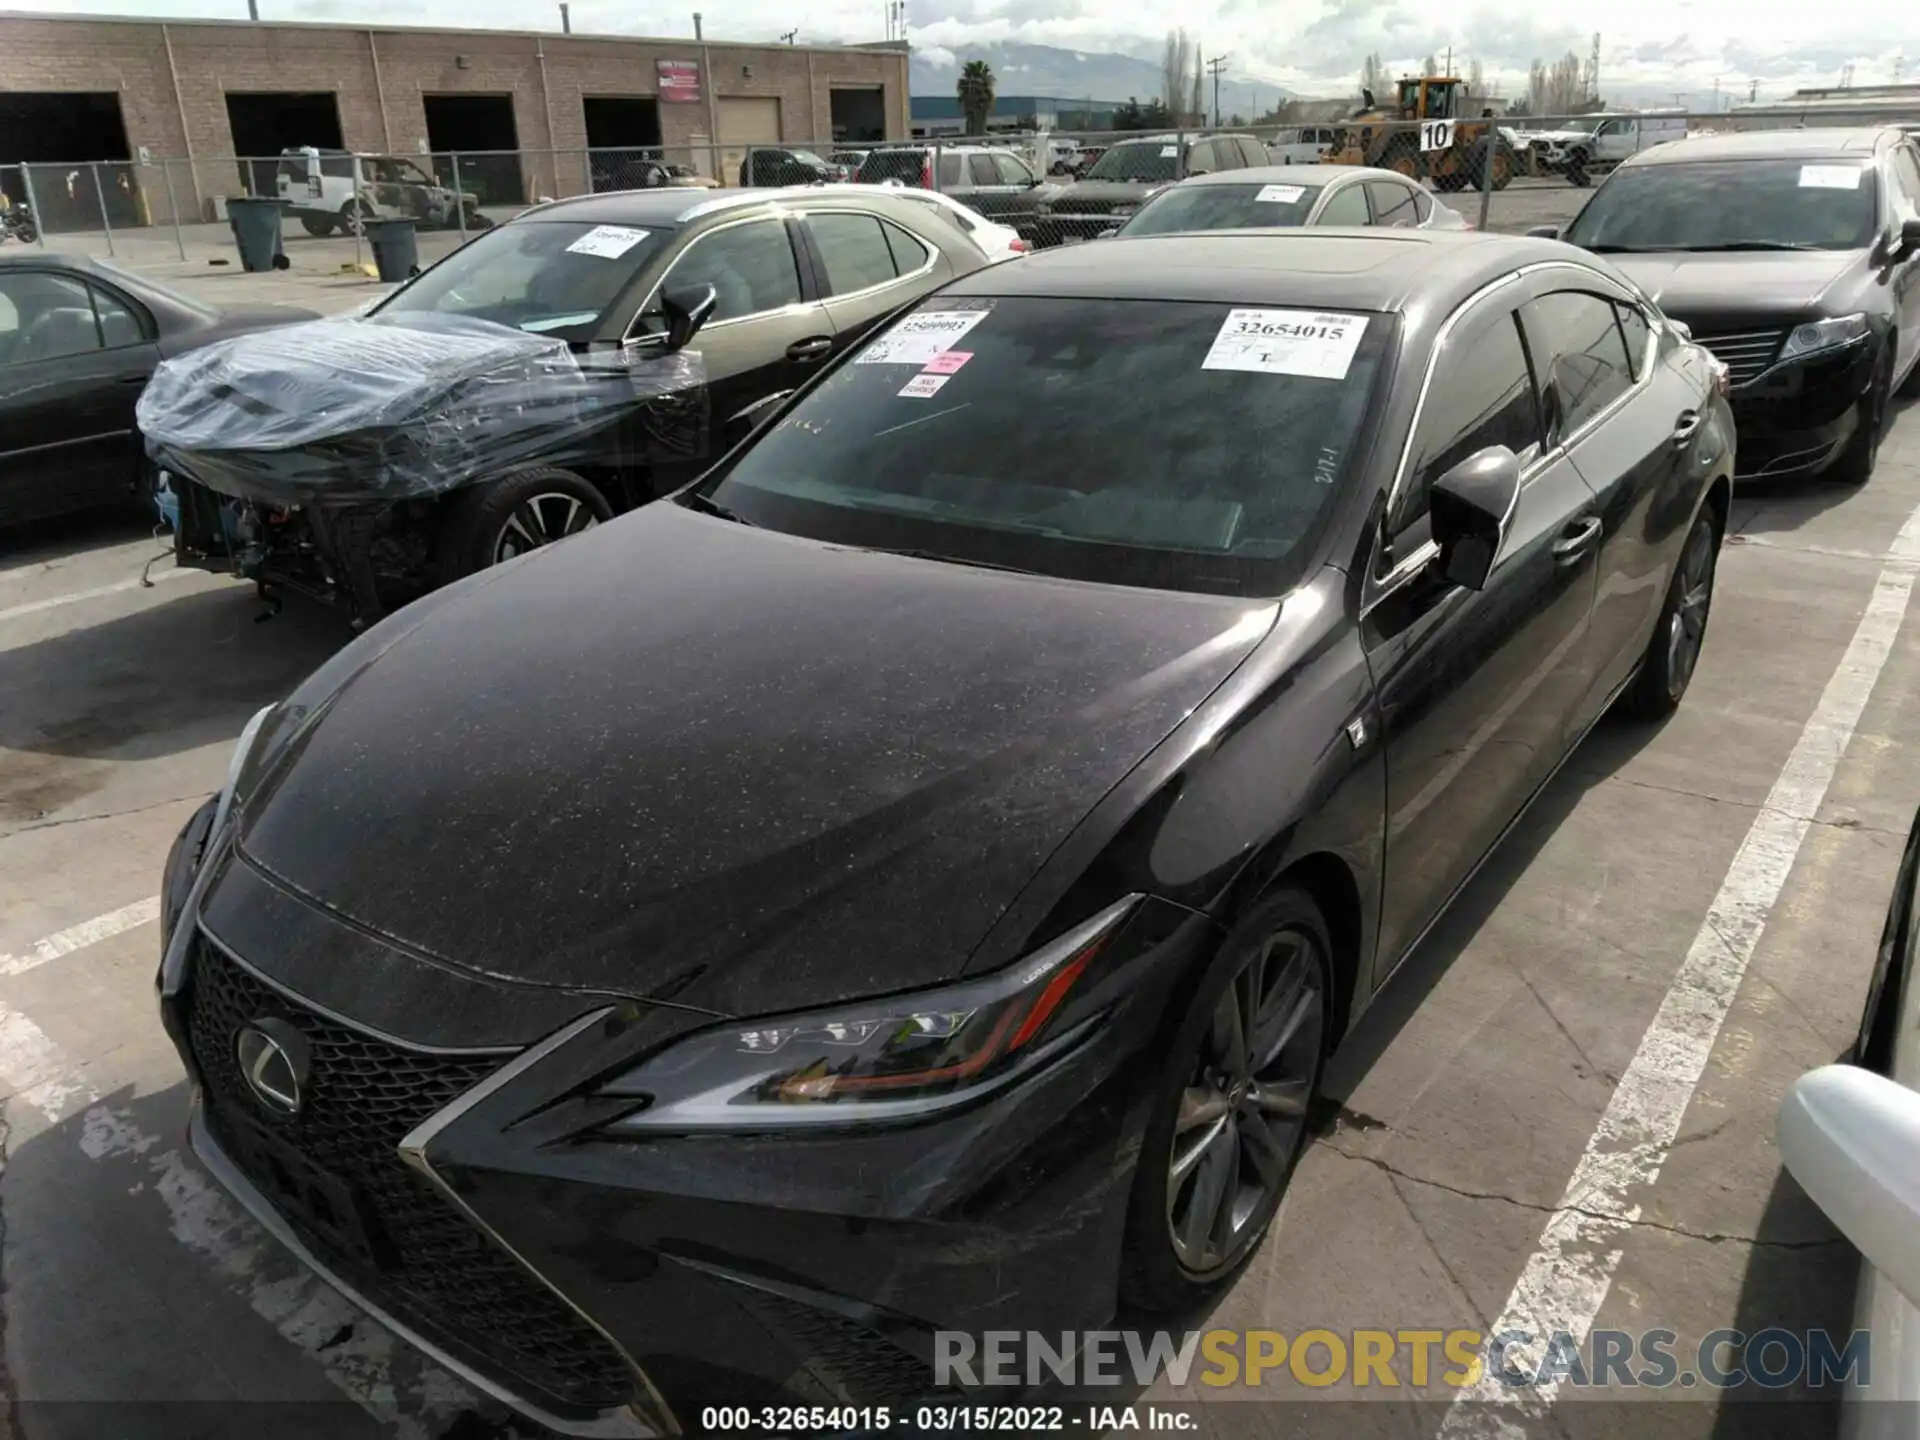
{"x": 144, "y": 92}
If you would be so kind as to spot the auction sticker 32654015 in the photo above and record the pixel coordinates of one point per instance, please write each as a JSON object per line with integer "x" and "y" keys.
{"x": 1313, "y": 343}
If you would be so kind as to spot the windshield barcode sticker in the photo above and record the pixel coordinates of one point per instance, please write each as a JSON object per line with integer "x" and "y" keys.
{"x": 609, "y": 242}
{"x": 1287, "y": 342}
{"x": 918, "y": 338}
{"x": 1830, "y": 177}
{"x": 1279, "y": 194}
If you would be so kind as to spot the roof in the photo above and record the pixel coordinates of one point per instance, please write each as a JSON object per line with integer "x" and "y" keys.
{"x": 679, "y": 205}
{"x": 1291, "y": 175}
{"x": 1356, "y": 269}
{"x": 1836, "y": 142}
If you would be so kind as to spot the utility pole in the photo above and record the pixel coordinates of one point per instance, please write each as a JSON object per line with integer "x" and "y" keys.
{"x": 1753, "y": 91}
{"x": 566, "y": 20}
{"x": 790, "y": 36}
{"x": 1214, "y": 67}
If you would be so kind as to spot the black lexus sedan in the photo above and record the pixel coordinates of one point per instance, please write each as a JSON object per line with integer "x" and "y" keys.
{"x": 910, "y": 880}
{"x": 78, "y": 339}
{"x": 1794, "y": 256}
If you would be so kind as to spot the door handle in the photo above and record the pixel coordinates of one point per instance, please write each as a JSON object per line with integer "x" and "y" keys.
{"x": 1685, "y": 426}
{"x": 1576, "y": 539}
{"x": 814, "y": 348}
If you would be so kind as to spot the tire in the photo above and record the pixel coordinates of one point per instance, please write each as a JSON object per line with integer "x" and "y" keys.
{"x": 477, "y": 221}
{"x": 1283, "y": 951}
{"x": 316, "y": 225}
{"x": 1909, "y": 387}
{"x": 353, "y": 218}
{"x": 1667, "y": 668}
{"x": 1576, "y": 168}
{"x": 496, "y": 520}
{"x": 1856, "y": 462}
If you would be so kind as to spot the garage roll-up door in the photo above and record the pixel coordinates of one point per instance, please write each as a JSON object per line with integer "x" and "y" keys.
{"x": 744, "y": 122}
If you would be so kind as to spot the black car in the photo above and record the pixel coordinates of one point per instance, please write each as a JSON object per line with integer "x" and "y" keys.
{"x": 987, "y": 179}
{"x": 484, "y": 459}
{"x": 78, "y": 339}
{"x": 1114, "y": 187}
{"x": 771, "y": 165}
{"x": 911, "y": 880}
{"x": 1793, "y": 255}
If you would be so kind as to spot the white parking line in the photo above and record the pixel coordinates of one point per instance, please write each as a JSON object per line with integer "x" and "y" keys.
{"x": 35, "y": 1070}
{"x": 78, "y": 937}
{"x": 1566, "y": 1280}
{"x": 54, "y": 602}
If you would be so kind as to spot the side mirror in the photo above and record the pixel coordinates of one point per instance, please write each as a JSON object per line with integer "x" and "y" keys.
{"x": 1544, "y": 232}
{"x": 1906, "y": 239}
{"x": 1680, "y": 328}
{"x": 1852, "y": 1140}
{"x": 687, "y": 310}
{"x": 1470, "y": 507}
{"x": 1200, "y": 171}
{"x": 1108, "y": 233}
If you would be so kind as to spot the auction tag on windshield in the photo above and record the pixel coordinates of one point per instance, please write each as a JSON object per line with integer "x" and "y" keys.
{"x": 1279, "y": 194}
{"x": 947, "y": 362}
{"x": 1167, "y": 152}
{"x": 918, "y": 338}
{"x": 1830, "y": 177}
{"x": 609, "y": 242}
{"x": 1287, "y": 342}
{"x": 924, "y": 385}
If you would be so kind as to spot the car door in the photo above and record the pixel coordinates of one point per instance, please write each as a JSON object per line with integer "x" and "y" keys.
{"x": 1624, "y": 421}
{"x": 869, "y": 268}
{"x": 73, "y": 360}
{"x": 1905, "y": 195}
{"x": 767, "y": 333}
{"x": 1473, "y": 687}
{"x": 1344, "y": 204}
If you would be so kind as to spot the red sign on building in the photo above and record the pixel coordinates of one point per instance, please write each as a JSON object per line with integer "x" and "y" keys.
{"x": 679, "y": 79}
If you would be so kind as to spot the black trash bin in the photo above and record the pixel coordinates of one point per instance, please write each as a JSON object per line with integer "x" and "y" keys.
{"x": 256, "y": 232}
{"x": 396, "y": 252}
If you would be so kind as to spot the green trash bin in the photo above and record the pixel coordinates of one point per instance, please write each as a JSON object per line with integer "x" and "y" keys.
{"x": 396, "y": 253}
{"x": 256, "y": 231}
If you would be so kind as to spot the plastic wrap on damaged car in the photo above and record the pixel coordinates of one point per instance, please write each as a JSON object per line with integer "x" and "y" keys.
{"x": 378, "y": 410}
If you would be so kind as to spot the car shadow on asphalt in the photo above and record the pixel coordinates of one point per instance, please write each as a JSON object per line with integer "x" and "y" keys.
{"x": 140, "y": 1302}
{"x": 170, "y": 677}
{"x": 24, "y": 546}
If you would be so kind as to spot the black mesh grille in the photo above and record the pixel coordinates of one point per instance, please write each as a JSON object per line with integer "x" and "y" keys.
{"x": 422, "y": 1258}
{"x": 1745, "y": 353}
{"x": 1073, "y": 205}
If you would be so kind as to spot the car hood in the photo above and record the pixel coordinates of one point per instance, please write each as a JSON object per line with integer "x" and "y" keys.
{"x": 684, "y": 759}
{"x": 1774, "y": 283}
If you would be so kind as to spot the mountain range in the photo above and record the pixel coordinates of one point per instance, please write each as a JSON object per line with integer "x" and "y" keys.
{"x": 1020, "y": 69}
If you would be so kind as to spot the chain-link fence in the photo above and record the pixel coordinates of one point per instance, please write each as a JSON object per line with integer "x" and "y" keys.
{"x": 1505, "y": 174}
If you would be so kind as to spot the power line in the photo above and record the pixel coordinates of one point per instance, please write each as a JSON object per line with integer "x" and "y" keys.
{"x": 1214, "y": 67}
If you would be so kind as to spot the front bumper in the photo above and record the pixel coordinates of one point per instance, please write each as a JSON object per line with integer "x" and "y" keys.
{"x": 1796, "y": 419}
{"x": 718, "y": 1268}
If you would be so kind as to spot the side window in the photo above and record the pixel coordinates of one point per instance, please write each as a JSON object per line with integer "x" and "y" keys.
{"x": 1481, "y": 395}
{"x": 750, "y": 267}
{"x": 855, "y": 250}
{"x": 118, "y": 324}
{"x": 980, "y": 170}
{"x": 949, "y": 171}
{"x": 337, "y": 167}
{"x": 1201, "y": 158}
{"x": 909, "y": 251}
{"x": 1580, "y": 355}
{"x": 1906, "y": 170}
{"x": 1393, "y": 205}
{"x": 44, "y": 317}
{"x": 1255, "y": 153}
{"x": 1634, "y": 326}
{"x": 1346, "y": 206}
{"x": 1012, "y": 172}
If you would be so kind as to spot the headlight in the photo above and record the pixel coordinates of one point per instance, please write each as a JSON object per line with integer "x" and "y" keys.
{"x": 1818, "y": 335}
{"x": 873, "y": 1060}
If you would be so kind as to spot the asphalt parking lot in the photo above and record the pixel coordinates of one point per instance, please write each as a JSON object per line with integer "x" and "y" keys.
{"x": 1751, "y": 840}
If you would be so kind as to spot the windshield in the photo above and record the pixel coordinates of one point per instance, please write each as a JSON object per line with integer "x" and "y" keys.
{"x": 985, "y": 430}
{"x": 1730, "y": 205}
{"x": 1153, "y": 160}
{"x": 549, "y": 276}
{"x": 1223, "y": 207}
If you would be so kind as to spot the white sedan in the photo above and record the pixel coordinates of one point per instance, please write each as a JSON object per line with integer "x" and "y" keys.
{"x": 999, "y": 242}
{"x": 1850, "y": 1134}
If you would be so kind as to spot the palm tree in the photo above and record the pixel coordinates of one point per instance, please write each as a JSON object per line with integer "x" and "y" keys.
{"x": 975, "y": 90}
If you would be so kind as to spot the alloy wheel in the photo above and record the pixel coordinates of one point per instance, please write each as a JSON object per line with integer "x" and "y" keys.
{"x": 541, "y": 520}
{"x": 1687, "y": 627}
{"x": 1243, "y": 1112}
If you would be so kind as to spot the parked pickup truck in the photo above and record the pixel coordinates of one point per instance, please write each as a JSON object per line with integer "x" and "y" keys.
{"x": 1594, "y": 146}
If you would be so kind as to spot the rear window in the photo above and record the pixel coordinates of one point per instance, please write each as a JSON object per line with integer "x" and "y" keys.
{"x": 986, "y": 430}
{"x": 1731, "y": 205}
{"x": 1151, "y": 160}
{"x": 902, "y": 165}
{"x": 1223, "y": 207}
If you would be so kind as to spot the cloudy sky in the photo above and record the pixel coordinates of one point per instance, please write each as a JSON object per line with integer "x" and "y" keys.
{"x": 1309, "y": 46}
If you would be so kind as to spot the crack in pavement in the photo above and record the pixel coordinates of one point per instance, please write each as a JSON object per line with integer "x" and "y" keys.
{"x": 34, "y": 825}
{"x": 1712, "y": 1237}
{"x": 1846, "y": 822}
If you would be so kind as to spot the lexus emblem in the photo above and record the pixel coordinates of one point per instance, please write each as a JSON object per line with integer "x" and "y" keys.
{"x": 273, "y": 1061}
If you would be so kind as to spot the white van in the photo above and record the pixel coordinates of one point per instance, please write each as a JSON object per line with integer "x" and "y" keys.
{"x": 1303, "y": 144}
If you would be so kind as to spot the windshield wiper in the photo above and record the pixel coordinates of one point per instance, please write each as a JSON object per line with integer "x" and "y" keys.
{"x": 913, "y": 554}
{"x": 1617, "y": 249}
{"x": 1745, "y": 245}
{"x": 711, "y": 506}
